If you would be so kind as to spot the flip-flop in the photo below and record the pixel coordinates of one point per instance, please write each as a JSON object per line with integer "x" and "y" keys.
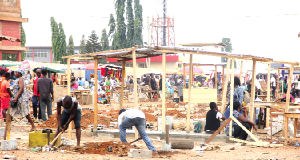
{"x": 34, "y": 129}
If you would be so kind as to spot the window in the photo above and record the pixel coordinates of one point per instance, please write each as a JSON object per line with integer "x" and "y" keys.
{"x": 179, "y": 65}
{"x": 129, "y": 65}
{"x": 28, "y": 54}
{"x": 142, "y": 65}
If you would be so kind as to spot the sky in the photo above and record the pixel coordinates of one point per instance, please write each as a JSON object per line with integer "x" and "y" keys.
{"x": 266, "y": 28}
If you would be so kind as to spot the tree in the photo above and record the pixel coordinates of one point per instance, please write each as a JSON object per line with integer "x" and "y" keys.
{"x": 82, "y": 45}
{"x": 119, "y": 41}
{"x": 55, "y": 38}
{"x": 130, "y": 24}
{"x": 228, "y": 49}
{"x": 62, "y": 44}
{"x": 92, "y": 44}
{"x": 104, "y": 41}
{"x": 23, "y": 39}
{"x": 112, "y": 25}
{"x": 138, "y": 23}
{"x": 71, "y": 46}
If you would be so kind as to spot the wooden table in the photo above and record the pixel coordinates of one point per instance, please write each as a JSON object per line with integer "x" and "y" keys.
{"x": 285, "y": 129}
{"x": 149, "y": 93}
{"x": 262, "y": 97}
{"x": 78, "y": 94}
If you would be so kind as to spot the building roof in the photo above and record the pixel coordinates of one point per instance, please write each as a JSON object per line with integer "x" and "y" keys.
{"x": 220, "y": 44}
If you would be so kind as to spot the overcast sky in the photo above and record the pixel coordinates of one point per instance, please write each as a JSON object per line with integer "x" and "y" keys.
{"x": 264, "y": 28}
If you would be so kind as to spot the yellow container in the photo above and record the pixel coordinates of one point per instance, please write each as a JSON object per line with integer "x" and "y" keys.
{"x": 39, "y": 139}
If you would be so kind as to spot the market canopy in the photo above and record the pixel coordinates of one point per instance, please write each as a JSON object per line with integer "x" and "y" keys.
{"x": 30, "y": 65}
{"x": 154, "y": 72}
{"x": 9, "y": 63}
{"x": 74, "y": 67}
{"x": 51, "y": 69}
{"x": 91, "y": 66}
{"x": 196, "y": 70}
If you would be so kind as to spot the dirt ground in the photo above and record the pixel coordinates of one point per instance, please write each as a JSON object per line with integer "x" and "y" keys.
{"x": 20, "y": 130}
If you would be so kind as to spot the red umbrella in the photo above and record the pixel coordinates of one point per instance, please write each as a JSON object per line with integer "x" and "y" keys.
{"x": 91, "y": 66}
{"x": 196, "y": 70}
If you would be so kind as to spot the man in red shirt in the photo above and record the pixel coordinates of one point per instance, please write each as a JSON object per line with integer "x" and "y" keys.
{"x": 34, "y": 97}
{"x": 2, "y": 78}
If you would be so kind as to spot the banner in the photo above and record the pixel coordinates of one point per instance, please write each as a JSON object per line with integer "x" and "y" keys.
{"x": 25, "y": 65}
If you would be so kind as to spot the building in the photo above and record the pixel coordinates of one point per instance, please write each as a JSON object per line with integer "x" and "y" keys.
{"x": 10, "y": 25}
{"x": 44, "y": 53}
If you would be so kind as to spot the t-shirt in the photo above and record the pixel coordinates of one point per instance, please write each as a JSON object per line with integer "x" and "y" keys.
{"x": 35, "y": 80}
{"x": 5, "y": 84}
{"x": 132, "y": 113}
{"x": 69, "y": 110}
{"x": 45, "y": 87}
{"x": 272, "y": 81}
{"x": 81, "y": 83}
{"x": 75, "y": 86}
{"x": 1, "y": 80}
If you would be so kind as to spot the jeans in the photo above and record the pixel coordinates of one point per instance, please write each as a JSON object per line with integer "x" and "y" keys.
{"x": 140, "y": 124}
{"x": 240, "y": 133}
{"x": 43, "y": 103}
{"x": 35, "y": 106}
{"x": 273, "y": 91}
{"x": 180, "y": 88}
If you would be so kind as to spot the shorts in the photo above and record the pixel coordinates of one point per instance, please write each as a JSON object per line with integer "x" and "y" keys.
{"x": 4, "y": 103}
{"x": 65, "y": 117}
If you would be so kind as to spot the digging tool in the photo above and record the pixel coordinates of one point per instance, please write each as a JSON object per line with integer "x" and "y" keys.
{"x": 136, "y": 140}
{"x": 55, "y": 139}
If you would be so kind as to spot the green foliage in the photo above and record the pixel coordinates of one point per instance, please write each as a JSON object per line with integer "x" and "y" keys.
{"x": 112, "y": 25}
{"x": 130, "y": 24}
{"x": 82, "y": 45}
{"x": 228, "y": 49}
{"x": 55, "y": 39}
{"x": 138, "y": 23}
{"x": 104, "y": 41}
{"x": 62, "y": 44}
{"x": 120, "y": 36}
{"x": 92, "y": 44}
{"x": 71, "y": 46}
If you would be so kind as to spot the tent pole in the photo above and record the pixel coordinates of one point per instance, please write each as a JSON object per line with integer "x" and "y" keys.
{"x": 164, "y": 93}
{"x": 268, "y": 95}
{"x": 95, "y": 96}
{"x": 231, "y": 95}
{"x": 122, "y": 83}
{"x": 135, "y": 85}
{"x": 189, "y": 95}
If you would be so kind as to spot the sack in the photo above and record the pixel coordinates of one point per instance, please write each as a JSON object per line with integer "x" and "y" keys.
{"x": 197, "y": 127}
{"x": 246, "y": 97}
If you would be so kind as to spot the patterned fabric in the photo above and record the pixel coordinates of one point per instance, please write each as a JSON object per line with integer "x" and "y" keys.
{"x": 236, "y": 114}
{"x": 197, "y": 127}
{"x": 22, "y": 72}
{"x": 21, "y": 111}
{"x": 24, "y": 96}
{"x": 238, "y": 94}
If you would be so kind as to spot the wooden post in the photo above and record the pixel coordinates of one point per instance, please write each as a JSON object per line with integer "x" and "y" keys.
{"x": 69, "y": 92}
{"x": 122, "y": 84}
{"x": 223, "y": 70}
{"x": 167, "y": 133}
{"x": 135, "y": 86}
{"x": 231, "y": 95}
{"x": 241, "y": 72}
{"x": 218, "y": 131}
{"x": 96, "y": 97}
{"x": 289, "y": 88}
{"x": 277, "y": 87}
{"x": 225, "y": 86}
{"x": 183, "y": 76}
{"x": 8, "y": 123}
{"x": 189, "y": 96}
{"x": 216, "y": 77}
{"x": 253, "y": 91}
{"x": 164, "y": 93}
{"x": 268, "y": 95}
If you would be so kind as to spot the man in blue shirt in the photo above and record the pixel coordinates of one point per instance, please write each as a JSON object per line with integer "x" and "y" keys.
{"x": 81, "y": 83}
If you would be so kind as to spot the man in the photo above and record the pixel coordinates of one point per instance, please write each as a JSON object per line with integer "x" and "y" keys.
{"x": 213, "y": 117}
{"x": 2, "y": 78}
{"x": 146, "y": 80}
{"x": 54, "y": 78}
{"x": 35, "y": 95}
{"x": 71, "y": 112}
{"x": 45, "y": 88}
{"x": 81, "y": 83}
{"x": 12, "y": 76}
{"x": 273, "y": 84}
{"x": 258, "y": 84}
{"x": 134, "y": 117}
{"x": 180, "y": 88}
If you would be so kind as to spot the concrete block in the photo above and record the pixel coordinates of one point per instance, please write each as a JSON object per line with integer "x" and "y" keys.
{"x": 165, "y": 146}
{"x": 139, "y": 153}
{"x": 2, "y": 130}
{"x": 7, "y": 145}
{"x": 169, "y": 120}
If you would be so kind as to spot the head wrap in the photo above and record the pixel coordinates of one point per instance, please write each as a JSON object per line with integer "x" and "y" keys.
{"x": 21, "y": 71}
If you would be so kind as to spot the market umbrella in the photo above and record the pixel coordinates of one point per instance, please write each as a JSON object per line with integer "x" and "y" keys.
{"x": 74, "y": 67}
{"x": 9, "y": 63}
{"x": 196, "y": 70}
{"x": 91, "y": 66}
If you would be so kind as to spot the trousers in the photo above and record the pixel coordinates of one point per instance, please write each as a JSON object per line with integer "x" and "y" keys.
{"x": 140, "y": 124}
{"x": 43, "y": 103}
{"x": 35, "y": 106}
{"x": 240, "y": 133}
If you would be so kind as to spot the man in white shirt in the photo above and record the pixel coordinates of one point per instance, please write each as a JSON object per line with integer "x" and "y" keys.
{"x": 134, "y": 117}
{"x": 273, "y": 84}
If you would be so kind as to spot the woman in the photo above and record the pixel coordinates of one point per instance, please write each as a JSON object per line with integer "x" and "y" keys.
{"x": 6, "y": 94}
{"x": 74, "y": 84}
{"x": 238, "y": 95}
{"x": 21, "y": 98}
{"x": 237, "y": 131}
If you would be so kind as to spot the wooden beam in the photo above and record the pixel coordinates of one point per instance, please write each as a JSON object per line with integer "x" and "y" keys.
{"x": 69, "y": 92}
{"x": 277, "y": 85}
{"x": 135, "y": 85}
{"x": 216, "y": 77}
{"x": 245, "y": 129}
{"x": 122, "y": 84}
{"x": 183, "y": 76}
{"x": 96, "y": 96}
{"x": 231, "y": 95}
{"x": 268, "y": 95}
{"x": 14, "y": 19}
{"x": 164, "y": 93}
{"x": 253, "y": 91}
{"x": 288, "y": 93}
{"x": 189, "y": 99}
{"x": 225, "y": 86}
{"x": 83, "y": 58}
{"x": 218, "y": 131}
{"x": 14, "y": 48}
